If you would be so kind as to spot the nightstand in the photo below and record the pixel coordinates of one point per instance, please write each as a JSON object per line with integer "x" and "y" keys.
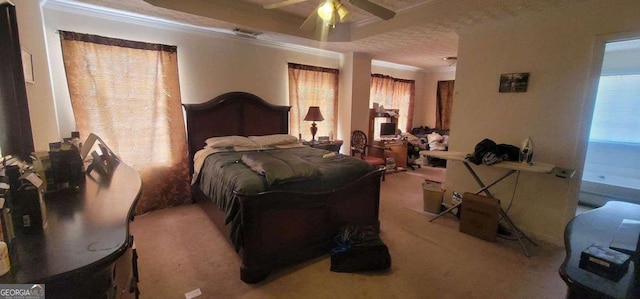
{"x": 333, "y": 146}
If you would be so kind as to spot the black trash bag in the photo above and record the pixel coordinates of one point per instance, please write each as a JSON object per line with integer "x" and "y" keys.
{"x": 359, "y": 248}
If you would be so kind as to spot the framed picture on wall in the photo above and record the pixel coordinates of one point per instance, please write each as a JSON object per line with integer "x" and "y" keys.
{"x": 514, "y": 82}
{"x": 27, "y": 66}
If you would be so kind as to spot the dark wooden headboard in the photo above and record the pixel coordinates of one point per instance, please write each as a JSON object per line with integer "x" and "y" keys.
{"x": 234, "y": 113}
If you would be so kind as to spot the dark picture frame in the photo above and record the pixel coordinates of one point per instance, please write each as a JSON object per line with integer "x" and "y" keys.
{"x": 514, "y": 82}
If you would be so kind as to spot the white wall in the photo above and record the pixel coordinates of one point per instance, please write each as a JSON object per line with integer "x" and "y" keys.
{"x": 557, "y": 48}
{"x": 209, "y": 63}
{"x": 39, "y": 95}
{"x": 214, "y": 63}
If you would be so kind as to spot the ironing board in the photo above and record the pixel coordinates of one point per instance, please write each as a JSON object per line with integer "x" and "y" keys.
{"x": 510, "y": 167}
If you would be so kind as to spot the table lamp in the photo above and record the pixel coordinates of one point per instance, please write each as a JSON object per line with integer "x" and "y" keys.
{"x": 314, "y": 115}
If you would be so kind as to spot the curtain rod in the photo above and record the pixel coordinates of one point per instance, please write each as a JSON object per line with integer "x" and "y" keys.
{"x": 111, "y": 41}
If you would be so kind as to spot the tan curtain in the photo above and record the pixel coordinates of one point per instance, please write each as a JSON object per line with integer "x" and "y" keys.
{"x": 312, "y": 86}
{"x": 128, "y": 94}
{"x": 444, "y": 102}
{"x": 393, "y": 93}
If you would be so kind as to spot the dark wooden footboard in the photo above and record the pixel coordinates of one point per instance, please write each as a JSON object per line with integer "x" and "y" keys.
{"x": 282, "y": 228}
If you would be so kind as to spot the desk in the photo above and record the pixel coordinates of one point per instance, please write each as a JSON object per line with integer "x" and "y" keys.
{"x": 510, "y": 167}
{"x": 86, "y": 249}
{"x": 597, "y": 226}
{"x": 398, "y": 148}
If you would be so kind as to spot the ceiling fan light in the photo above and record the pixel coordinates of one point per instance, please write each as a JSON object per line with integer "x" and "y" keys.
{"x": 325, "y": 11}
{"x": 342, "y": 11}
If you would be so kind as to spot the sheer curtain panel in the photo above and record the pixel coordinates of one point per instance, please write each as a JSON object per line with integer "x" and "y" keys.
{"x": 312, "y": 86}
{"x": 128, "y": 93}
{"x": 394, "y": 93}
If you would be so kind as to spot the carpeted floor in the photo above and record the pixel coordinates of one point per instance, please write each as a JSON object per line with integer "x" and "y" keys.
{"x": 181, "y": 250}
{"x": 435, "y": 174}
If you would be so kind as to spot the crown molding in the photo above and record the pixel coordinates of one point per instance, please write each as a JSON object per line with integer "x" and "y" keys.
{"x": 444, "y": 69}
{"x": 70, "y": 6}
{"x": 396, "y": 66}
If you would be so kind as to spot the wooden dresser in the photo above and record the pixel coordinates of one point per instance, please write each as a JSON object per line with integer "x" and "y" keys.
{"x": 86, "y": 250}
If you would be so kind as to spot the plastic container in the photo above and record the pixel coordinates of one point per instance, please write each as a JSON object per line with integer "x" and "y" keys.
{"x": 432, "y": 196}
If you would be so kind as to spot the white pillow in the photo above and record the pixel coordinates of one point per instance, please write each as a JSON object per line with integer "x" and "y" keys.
{"x": 226, "y": 141}
{"x": 276, "y": 139}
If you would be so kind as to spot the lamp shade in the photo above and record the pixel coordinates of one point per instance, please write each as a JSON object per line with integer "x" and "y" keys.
{"x": 314, "y": 114}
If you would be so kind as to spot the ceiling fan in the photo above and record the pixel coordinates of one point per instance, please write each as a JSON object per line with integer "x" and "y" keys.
{"x": 331, "y": 11}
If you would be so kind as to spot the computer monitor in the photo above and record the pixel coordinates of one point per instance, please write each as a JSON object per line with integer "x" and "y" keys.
{"x": 387, "y": 130}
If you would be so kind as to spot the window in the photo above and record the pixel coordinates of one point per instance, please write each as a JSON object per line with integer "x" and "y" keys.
{"x": 128, "y": 93}
{"x": 312, "y": 86}
{"x": 617, "y": 106}
{"x": 394, "y": 93}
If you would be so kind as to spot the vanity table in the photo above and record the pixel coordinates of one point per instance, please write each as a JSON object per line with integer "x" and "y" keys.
{"x": 86, "y": 249}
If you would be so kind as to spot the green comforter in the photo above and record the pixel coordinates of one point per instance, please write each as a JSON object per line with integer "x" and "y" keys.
{"x": 224, "y": 173}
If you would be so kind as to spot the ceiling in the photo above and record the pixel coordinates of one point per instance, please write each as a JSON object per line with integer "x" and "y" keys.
{"x": 421, "y": 34}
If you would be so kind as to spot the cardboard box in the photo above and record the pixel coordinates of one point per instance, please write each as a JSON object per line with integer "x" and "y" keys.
{"x": 479, "y": 216}
{"x": 432, "y": 196}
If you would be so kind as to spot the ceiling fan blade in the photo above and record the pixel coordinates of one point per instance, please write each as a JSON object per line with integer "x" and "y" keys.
{"x": 281, "y": 4}
{"x": 373, "y": 9}
{"x": 310, "y": 23}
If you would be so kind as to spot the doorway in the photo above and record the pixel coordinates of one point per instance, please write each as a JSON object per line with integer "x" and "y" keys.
{"x": 612, "y": 165}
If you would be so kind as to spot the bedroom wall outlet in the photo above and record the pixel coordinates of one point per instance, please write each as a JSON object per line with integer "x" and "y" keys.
{"x": 564, "y": 173}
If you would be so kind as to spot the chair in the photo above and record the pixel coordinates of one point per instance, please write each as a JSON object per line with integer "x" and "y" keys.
{"x": 359, "y": 146}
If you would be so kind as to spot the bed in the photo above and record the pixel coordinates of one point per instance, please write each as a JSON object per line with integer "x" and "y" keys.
{"x": 277, "y": 227}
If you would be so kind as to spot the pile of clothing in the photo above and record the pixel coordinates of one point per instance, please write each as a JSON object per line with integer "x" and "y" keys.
{"x": 431, "y": 138}
{"x": 437, "y": 142}
{"x": 488, "y": 152}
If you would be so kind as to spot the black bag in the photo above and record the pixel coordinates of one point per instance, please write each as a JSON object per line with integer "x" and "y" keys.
{"x": 359, "y": 248}
{"x": 483, "y": 147}
{"x": 508, "y": 152}
{"x": 488, "y": 152}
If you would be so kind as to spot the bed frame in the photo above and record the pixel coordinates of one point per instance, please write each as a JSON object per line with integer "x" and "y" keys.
{"x": 279, "y": 228}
